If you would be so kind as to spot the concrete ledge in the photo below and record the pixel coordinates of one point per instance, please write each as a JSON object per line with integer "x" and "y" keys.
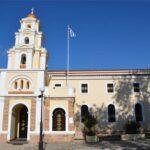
{"x": 125, "y": 137}
{"x": 91, "y": 139}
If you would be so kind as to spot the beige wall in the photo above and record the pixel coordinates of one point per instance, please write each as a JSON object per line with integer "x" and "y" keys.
{"x": 98, "y": 99}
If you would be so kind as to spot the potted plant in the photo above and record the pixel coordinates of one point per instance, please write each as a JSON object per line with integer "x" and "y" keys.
{"x": 132, "y": 131}
{"x": 89, "y": 128}
{"x": 132, "y": 127}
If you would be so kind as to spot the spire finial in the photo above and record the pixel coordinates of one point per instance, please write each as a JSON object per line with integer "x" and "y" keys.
{"x": 32, "y": 10}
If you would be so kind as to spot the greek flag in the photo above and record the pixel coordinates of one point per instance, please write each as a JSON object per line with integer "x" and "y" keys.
{"x": 71, "y": 32}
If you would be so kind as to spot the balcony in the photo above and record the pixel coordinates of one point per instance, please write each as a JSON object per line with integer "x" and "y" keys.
{"x": 22, "y": 66}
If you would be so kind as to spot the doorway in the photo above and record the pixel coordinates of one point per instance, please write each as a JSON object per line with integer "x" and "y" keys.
{"x": 19, "y": 122}
{"x": 59, "y": 120}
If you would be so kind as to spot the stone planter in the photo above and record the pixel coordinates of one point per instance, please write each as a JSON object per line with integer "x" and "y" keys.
{"x": 91, "y": 139}
{"x": 125, "y": 137}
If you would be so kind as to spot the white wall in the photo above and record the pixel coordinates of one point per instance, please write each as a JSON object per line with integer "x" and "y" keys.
{"x": 1, "y": 113}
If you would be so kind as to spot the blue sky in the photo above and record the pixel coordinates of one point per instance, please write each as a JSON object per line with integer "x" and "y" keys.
{"x": 109, "y": 34}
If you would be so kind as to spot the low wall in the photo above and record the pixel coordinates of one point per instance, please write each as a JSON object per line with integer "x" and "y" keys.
{"x": 52, "y": 138}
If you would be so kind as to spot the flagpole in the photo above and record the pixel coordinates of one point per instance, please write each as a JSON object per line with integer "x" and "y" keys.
{"x": 68, "y": 51}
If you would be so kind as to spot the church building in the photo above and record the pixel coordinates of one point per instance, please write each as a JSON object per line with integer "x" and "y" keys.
{"x": 113, "y": 96}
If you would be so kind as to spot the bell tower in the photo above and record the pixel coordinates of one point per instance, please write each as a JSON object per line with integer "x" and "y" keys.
{"x": 28, "y": 53}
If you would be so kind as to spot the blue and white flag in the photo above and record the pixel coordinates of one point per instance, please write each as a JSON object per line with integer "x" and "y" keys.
{"x": 71, "y": 32}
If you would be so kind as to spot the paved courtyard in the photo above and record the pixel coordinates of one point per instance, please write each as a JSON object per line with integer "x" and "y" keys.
{"x": 81, "y": 145}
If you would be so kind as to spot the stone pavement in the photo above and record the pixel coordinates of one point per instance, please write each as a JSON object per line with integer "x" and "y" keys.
{"x": 81, "y": 145}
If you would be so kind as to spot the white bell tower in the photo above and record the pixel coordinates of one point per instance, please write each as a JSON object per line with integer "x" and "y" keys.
{"x": 28, "y": 52}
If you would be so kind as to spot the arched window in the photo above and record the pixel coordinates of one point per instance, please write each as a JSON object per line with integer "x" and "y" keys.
{"x": 23, "y": 59}
{"x": 21, "y": 86}
{"x": 84, "y": 112}
{"x": 26, "y": 40}
{"x": 16, "y": 85}
{"x": 111, "y": 113}
{"x": 138, "y": 112}
{"x": 59, "y": 120}
{"x": 28, "y": 85}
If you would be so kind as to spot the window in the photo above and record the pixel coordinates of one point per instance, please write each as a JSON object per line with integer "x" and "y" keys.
{"x": 28, "y": 85}
{"x": 84, "y": 112}
{"x": 111, "y": 113}
{"x": 59, "y": 120}
{"x": 84, "y": 88}
{"x": 136, "y": 87}
{"x": 138, "y": 112}
{"x": 21, "y": 86}
{"x": 16, "y": 85}
{"x": 26, "y": 40}
{"x": 110, "y": 88}
{"x": 23, "y": 59}
{"x": 57, "y": 85}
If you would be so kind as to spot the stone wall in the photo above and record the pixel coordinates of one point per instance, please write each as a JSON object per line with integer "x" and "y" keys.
{"x": 5, "y": 115}
{"x": 58, "y": 138}
{"x": 46, "y": 114}
{"x": 71, "y": 114}
{"x": 52, "y": 138}
{"x": 33, "y": 115}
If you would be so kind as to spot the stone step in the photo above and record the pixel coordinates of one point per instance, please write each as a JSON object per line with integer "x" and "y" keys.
{"x": 18, "y": 142}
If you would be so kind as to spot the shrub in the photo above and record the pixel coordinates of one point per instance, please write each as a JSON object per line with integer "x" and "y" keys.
{"x": 89, "y": 123}
{"x": 132, "y": 127}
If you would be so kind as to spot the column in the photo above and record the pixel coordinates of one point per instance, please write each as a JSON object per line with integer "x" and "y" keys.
{"x": 29, "y": 60}
{"x": 9, "y": 61}
{"x": 38, "y": 112}
{"x": 43, "y": 61}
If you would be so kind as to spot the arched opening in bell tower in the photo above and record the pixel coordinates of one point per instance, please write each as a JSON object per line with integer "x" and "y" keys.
{"x": 26, "y": 40}
{"x": 23, "y": 61}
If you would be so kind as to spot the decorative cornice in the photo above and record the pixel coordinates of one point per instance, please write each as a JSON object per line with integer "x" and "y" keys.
{"x": 20, "y": 92}
{"x": 101, "y": 72}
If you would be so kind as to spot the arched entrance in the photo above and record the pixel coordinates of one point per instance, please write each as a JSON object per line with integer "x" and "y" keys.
{"x": 19, "y": 122}
{"x": 59, "y": 120}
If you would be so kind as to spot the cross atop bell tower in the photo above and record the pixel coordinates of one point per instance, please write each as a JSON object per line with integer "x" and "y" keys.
{"x": 32, "y": 10}
{"x": 28, "y": 52}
